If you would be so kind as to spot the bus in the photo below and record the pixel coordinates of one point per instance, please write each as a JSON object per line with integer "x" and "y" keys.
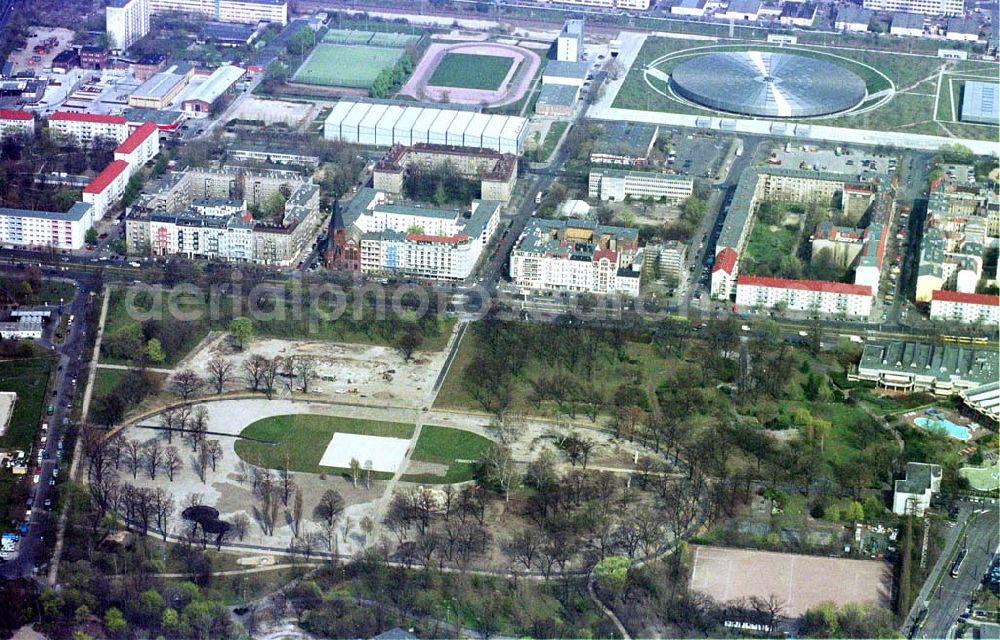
{"x": 956, "y": 566}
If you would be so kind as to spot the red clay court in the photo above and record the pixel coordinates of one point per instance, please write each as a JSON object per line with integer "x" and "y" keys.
{"x": 801, "y": 581}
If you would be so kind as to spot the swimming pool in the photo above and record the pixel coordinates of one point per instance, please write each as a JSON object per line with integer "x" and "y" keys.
{"x": 954, "y": 430}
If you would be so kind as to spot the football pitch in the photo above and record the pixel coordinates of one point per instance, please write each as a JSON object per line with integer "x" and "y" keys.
{"x": 470, "y": 71}
{"x": 334, "y": 65}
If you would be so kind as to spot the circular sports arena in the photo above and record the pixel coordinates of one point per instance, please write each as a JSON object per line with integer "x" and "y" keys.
{"x": 761, "y": 83}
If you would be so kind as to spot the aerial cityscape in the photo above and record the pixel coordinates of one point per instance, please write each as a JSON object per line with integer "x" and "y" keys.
{"x": 514, "y": 318}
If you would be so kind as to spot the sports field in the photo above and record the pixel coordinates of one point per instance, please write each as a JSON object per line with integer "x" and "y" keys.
{"x": 372, "y": 38}
{"x": 906, "y": 94}
{"x": 471, "y": 71}
{"x": 300, "y": 441}
{"x": 337, "y": 65}
{"x": 800, "y": 581}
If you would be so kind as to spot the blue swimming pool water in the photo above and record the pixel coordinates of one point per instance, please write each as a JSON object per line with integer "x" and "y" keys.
{"x": 954, "y": 430}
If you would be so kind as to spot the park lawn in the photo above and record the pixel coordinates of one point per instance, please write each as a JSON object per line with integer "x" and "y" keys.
{"x": 851, "y": 429}
{"x": 52, "y": 291}
{"x": 105, "y": 380}
{"x": 335, "y": 65}
{"x": 458, "y": 449}
{"x": 768, "y": 245}
{"x": 470, "y": 71}
{"x": 302, "y": 439}
{"x": 607, "y": 367}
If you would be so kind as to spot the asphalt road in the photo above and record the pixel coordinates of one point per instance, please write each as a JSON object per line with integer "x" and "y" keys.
{"x": 69, "y": 353}
{"x": 954, "y": 594}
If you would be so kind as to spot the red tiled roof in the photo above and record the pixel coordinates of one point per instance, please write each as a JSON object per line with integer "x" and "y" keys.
{"x": 70, "y": 116}
{"x": 725, "y": 260}
{"x": 106, "y": 177}
{"x": 805, "y": 285}
{"x": 420, "y": 237}
{"x": 600, "y": 254}
{"x": 11, "y": 114}
{"x": 966, "y": 298}
{"x": 138, "y": 136}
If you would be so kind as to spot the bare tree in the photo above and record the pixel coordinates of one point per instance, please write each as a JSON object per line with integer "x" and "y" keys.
{"x": 241, "y": 525}
{"x": 197, "y": 427}
{"x": 203, "y": 460}
{"x": 523, "y": 547}
{"x": 329, "y": 507}
{"x": 153, "y": 456}
{"x": 167, "y": 419}
{"x": 133, "y": 456}
{"x": 253, "y": 371}
{"x": 305, "y": 368}
{"x": 186, "y": 384}
{"x": 297, "y": 512}
{"x": 220, "y": 371}
{"x": 270, "y": 375}
{"x": 113, "y": 448}
{"x": 498, "y": 463}
{"x": 287, "y": 483}
{"x": 214, "y": 448}
{"x": 171, "y": 461}
{"x": 164, "y": 507}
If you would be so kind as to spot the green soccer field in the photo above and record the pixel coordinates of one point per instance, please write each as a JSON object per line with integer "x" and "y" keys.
{"x": 470, "y": 71}
{"x": 334, "y": 65}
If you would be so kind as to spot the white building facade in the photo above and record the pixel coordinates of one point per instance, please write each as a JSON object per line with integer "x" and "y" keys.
{"x": 87, "y": 126}
{"x": 966, "y": 308}
{"x": 241, "y": 11}
{"x": 926, "y": 7}
{"x": 813, "y": 296}
{"x": 611, "y": 184}
{"x": 13, "y": 122}
{"x": 46, "y": 229}
{"x": 126, "y": 21}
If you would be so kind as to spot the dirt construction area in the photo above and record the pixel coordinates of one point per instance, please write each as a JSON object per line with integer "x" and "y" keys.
{"x": 340, "y": 371}
{"x": 511, "y": 89}
{"x": 25, "y": 59}
{"x": 800, "y": 581}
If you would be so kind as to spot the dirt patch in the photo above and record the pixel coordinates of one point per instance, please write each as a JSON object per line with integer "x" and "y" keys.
{"x": 800, "y": 581}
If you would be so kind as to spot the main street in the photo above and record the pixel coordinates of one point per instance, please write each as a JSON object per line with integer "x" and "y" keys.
{"x": 953, "y": 594}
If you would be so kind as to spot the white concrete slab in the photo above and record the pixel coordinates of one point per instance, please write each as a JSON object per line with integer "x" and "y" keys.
{"x": 386, "y": 454}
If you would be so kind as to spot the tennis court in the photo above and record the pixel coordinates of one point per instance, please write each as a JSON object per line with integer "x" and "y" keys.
{"x": 370, "y": 38}
{"x": 334, "y": 65}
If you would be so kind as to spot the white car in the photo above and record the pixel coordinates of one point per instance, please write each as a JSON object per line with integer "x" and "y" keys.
{"x": 37, "y": 478}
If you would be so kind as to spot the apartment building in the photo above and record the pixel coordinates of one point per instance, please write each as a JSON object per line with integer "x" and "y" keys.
{"x": 107, "y": 187}
{"x": 913, "y": 493}
{"x": 578, "y": 256}
{"x": 925, "y": 7}
{"x": 618, "y": 185}
{"x": 960, "y": 223}
{"x": 87, "y": 126}
{"x": 495, "y": 171}
{"x": 853, "y": 19}
{"x": 126, "y": 21}
{"x": 241, "y": 11}
{"x": 140, "y": 147}
{"x": 859, "y": 191}
{"x": 665, "y": 260}
{"x": 813, "y": 296}
{"x": 51, "y": 230}
{"x": 569, "y": 43}
{"x": 15, "y": 122}
{"x": 965, "y": 308}
{"x": 379, "y": 236}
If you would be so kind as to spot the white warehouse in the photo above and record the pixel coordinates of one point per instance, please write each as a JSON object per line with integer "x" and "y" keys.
{"x": 383, "y": 125}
